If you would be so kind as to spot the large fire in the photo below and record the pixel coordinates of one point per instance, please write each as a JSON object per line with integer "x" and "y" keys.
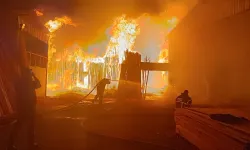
{"x": 123, "y": 38}
{"x": 72, "y": 68}
{"x": 53, "y": 26}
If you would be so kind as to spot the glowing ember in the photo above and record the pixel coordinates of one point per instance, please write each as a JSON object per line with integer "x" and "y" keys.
{"x": 123, "y": 37}
{"x": 23, "y": 26}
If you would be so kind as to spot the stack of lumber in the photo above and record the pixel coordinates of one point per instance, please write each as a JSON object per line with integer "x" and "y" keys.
{"x": 211, "y": 128}
{"x": 130, "y": 76}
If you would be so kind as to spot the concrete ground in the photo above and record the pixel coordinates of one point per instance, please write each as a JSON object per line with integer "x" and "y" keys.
{"x": 111, "y": 126}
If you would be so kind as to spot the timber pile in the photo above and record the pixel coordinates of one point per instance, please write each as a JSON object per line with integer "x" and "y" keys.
{"x": 212, "y": 129}
{"x": 130, "y": 76}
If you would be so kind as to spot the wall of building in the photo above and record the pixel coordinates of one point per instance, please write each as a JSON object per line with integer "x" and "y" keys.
{"x": 212, "y": 62}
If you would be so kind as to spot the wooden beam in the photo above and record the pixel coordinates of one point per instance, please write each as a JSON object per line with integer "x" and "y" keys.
{"x": 154, "y": 66}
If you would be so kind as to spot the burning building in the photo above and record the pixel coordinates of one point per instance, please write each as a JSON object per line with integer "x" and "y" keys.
{"x": 145, "y": 34}
{"x": 74, "y": 68}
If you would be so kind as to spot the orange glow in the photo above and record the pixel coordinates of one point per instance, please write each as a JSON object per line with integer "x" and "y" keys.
{"x": 172, "y": 23}
{"x": 163, "y": 56}
{"x": 23, "y": 26}
{"x": 38, "y": 12}
{"x": 123, "y": 37}
{"x": 54, "y": 25}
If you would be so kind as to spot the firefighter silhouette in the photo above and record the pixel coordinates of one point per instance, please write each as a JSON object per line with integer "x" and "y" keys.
{"x": 100, "y": 89}
{"x": 183, "y": 100}
{"x": 25, "y": 87}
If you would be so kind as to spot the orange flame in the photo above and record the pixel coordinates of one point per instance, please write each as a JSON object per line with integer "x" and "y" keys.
{"x": 171, "y": 24}
{"x": 38, "y": 12}
{"x": 163, "y": 56}
{"x": 123, "y": 37}
{"x": 54, "y": 25}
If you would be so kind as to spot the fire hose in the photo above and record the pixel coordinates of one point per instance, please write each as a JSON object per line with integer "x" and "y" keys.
{"x": 75, "y": 103}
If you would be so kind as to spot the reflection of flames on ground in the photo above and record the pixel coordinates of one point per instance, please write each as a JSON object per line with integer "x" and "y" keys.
{"x": 72, "y": 68}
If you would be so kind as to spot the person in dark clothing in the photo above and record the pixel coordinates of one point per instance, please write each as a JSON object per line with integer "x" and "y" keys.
{"x": 26, "y": 109}
{"x": 183, "y": 100}
{"x": 100, "y": 89}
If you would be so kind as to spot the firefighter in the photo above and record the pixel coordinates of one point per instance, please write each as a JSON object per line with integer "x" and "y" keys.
{"x": 100, "y": 89}
{"x": 26, "y": 109}
{"x": 183, "y": 100}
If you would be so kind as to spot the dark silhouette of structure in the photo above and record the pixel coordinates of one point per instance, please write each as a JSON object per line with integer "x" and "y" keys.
{"x": 130, "y": 76}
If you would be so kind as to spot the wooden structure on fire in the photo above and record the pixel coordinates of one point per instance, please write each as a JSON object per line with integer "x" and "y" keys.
{"x": 130, "y": 76}
{"x": 95, "y": 74}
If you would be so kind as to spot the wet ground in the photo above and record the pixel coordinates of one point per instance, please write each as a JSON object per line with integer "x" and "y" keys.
{"x": 111, "y": 127}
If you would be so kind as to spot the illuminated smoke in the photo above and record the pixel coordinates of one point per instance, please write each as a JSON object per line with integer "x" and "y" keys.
{"x": 123, "y": 38}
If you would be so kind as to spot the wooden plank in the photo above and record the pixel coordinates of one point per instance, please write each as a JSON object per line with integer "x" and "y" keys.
{"x": 154, "y": 66}
{"x": 206, "y": 133}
